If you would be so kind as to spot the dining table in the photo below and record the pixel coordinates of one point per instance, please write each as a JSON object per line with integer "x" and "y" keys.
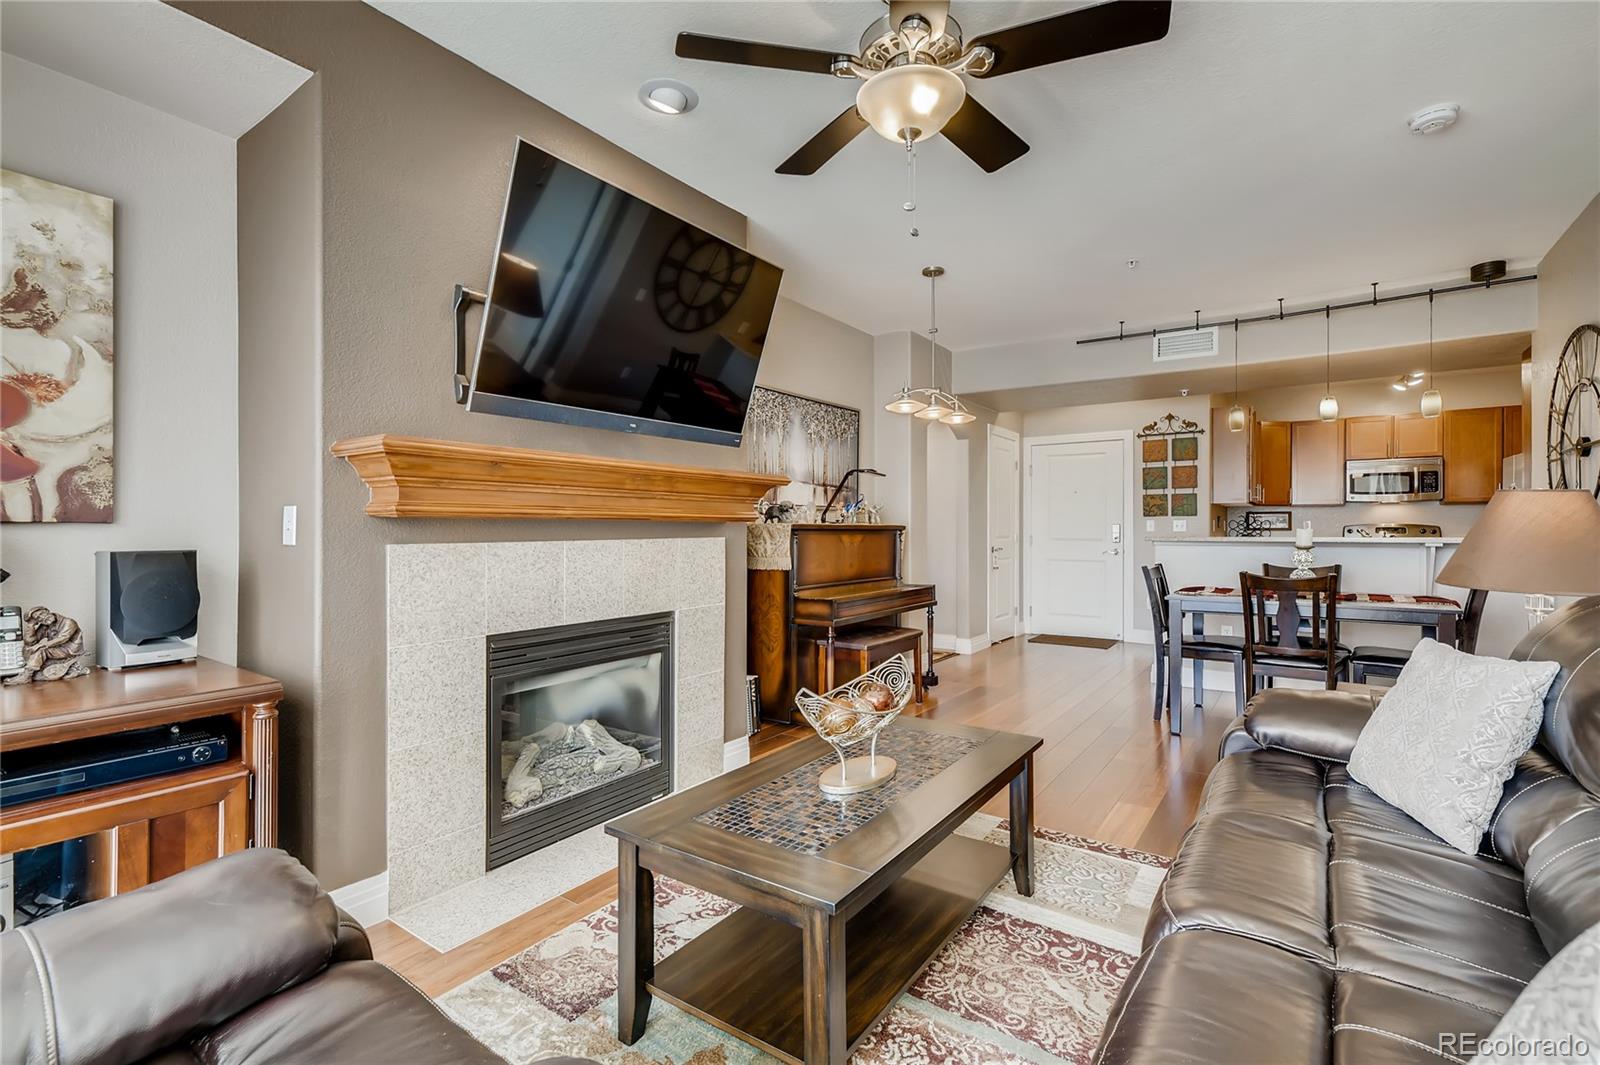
{"x": 1435, "y": 615}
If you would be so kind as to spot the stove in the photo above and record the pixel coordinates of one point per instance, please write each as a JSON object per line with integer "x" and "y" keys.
{"x": 1393, "y": 532}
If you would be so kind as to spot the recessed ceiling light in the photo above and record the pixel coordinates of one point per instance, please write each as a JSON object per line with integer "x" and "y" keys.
{"x": 1435, "y": 118}
{"x": 668, "y": 97}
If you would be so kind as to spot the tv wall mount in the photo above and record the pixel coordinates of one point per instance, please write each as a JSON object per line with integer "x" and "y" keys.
{"x": 464, "y": 298}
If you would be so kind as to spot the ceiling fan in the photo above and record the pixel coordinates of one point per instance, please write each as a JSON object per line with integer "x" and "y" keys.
{"x": 911, "y": 64}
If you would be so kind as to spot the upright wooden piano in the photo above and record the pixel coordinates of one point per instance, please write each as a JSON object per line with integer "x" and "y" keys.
{"x": 838, "y": 576}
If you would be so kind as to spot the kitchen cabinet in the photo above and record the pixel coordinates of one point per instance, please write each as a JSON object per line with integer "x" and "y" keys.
{"x": 1273, "y": 448}
{"x": 1369, "y": 437}
{"x": 1233, "y": 460}
{"x": 1392, "y": 436}
{"x": 1317, "y": 463}
{"x": 1510, "y": 431}
{"x": 1416, "y": 437}
{"x": 1472, "y": 453}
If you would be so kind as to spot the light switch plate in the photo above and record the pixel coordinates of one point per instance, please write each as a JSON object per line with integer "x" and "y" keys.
{"x": 291, "y": 520}
{"x": 1180, "y": 524}
{"x": 1149, "y": 525}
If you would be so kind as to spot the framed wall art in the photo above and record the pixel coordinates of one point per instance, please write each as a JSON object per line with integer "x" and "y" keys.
{"x": 57, "y": 367}
{"x": 811, "y": 442}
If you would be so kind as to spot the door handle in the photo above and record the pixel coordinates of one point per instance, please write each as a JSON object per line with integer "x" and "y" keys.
{"x": 1112, "y": 551}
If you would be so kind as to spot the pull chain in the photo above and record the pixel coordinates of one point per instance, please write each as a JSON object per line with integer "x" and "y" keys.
{"x": 911, "y": 179}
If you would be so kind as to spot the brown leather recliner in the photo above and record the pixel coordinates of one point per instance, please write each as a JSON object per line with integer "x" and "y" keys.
{"x": 1306, "y": 920}
{"x": 240, "y": 960}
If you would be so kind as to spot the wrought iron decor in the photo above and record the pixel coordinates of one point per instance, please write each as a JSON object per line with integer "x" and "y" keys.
{"x": 1573, "y": 423}
{"x": 1170, "y": 476}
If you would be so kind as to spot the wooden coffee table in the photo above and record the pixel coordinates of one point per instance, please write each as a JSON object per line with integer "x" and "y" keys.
{"x": 842, "y": 902}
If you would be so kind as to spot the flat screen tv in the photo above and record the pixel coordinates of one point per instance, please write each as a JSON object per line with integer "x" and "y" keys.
{"x": 604, "y": 310}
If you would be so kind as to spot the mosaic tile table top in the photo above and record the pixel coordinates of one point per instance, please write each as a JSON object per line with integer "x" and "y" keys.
{"x": 791, "y": 812}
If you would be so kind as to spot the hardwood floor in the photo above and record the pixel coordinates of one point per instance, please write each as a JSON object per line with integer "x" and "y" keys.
{"x": 1106, "y": 771}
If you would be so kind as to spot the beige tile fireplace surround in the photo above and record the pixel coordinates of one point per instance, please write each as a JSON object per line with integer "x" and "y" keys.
{"x": 443, "y": 600}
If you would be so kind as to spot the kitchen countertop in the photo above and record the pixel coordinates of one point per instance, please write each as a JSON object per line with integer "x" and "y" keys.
{"x": 1288, "y": 539}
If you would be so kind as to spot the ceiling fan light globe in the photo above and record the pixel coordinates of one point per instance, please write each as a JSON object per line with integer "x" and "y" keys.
{"x": 915, "y": 97}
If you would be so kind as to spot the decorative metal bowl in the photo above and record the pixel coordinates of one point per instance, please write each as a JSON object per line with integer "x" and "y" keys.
{"x": 844, "y": 718}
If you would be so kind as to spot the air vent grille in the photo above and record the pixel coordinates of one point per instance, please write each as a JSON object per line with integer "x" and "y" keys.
{"x": 1189, "y": 344}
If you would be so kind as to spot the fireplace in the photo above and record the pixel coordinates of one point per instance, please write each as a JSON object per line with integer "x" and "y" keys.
{"x": 580, "y": 728}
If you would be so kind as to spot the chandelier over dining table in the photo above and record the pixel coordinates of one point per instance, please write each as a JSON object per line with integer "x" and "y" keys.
{"x": 932, "y": 403}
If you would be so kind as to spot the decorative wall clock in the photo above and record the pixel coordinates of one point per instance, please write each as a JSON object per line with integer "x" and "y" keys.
{"x": 1574, "y": 425}
{"x": 699, "y": 280}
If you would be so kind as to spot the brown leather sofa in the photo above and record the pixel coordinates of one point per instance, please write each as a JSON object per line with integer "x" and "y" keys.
{"x": 241, "y": 960}
{"x": 1306, "y": 920}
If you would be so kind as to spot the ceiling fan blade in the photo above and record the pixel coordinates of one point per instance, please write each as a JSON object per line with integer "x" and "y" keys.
{"x": 1086, "y": 31}
{"x": 826, "y": 144}
{"x": 985, "y": 139}
{"x": 755, "y": 54}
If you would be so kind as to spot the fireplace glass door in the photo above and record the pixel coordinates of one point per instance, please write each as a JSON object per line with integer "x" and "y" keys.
{"x": 579, "y": 725}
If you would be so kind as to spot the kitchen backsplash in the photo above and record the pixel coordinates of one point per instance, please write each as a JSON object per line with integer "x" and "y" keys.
{"x": 1454, "y": 519}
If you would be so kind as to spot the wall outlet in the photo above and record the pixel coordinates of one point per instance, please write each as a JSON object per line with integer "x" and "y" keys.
{"x": 291, "y": 520}
{"x": 1180, "y": 524}
{"x": 1149, "y": 525}
{"x": 1227, "y": 630}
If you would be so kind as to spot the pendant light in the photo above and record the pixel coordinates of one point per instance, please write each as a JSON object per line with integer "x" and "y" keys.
{"x": 1328, "y": 409}
{"x": 1432, "y": 403}
{"x": 941, "y": 406}
{"x": 1236, "y": 412}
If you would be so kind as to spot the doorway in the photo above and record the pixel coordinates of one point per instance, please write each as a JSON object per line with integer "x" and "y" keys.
{"x": 1077, "y": 528}
{"x": 1005, "y": 517}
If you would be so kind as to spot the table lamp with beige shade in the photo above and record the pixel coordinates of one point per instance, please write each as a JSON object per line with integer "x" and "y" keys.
{"x": 1543, "y": 543}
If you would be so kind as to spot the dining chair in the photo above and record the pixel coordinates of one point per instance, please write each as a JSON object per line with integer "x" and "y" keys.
{"x": 1370, "y": 660}
{"x": 1337, "y": 569}
{"x": 1201, "y": 649}
{"x": 1281, "y": 650}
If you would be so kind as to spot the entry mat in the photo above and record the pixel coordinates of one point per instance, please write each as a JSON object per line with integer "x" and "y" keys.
{"x": 1075, "y": 641}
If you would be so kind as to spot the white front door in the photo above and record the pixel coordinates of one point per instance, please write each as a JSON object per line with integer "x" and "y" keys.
{"x": 1075, "y": 538}
{"x": 1003, "y": 532}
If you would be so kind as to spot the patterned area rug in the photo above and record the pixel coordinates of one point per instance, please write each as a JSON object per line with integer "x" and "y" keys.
{"x": 1024, "y": 980}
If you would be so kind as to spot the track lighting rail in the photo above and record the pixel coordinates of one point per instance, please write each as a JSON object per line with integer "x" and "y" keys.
{"x": 1322, "y": 308}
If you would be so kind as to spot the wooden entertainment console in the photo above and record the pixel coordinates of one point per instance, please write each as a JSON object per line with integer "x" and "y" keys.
{"x": 144, "y": 830}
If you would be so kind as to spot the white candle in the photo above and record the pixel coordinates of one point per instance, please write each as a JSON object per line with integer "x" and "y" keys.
{"x": 1302, "y": 537}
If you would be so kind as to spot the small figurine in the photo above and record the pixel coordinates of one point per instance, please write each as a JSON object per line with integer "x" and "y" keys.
{"x": 52, "y": 648}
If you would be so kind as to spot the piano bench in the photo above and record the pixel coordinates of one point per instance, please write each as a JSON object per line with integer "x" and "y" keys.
{"x": 868, "y": 646}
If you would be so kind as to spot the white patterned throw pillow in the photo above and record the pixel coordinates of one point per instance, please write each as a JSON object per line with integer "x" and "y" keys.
{"x": 1443, "y": 742}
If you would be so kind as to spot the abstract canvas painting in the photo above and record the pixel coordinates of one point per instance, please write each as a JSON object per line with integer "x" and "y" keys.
{"x": 811, "y": 442}
{"x": 56, "y": 356}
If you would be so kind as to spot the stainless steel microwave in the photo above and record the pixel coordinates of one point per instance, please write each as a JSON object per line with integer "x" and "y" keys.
{"x": 1393, "y": 480}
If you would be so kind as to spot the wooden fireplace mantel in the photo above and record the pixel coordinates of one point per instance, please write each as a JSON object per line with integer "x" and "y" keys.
{"x": 414, "y": 477}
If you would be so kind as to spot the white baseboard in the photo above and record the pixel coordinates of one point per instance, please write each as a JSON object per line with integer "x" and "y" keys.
{"x": 735, "y": 753}
{"x": 960, "y": 645}
{"x": 1218, "y": 675}
{"x": 365, "y": 900}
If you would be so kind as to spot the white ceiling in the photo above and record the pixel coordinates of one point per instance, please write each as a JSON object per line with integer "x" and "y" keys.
{"x": 1259, "y": 151}
{"x": 154, "y": 54}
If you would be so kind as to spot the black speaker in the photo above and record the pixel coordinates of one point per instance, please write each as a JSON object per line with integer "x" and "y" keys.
{"x": 149, "y": 607}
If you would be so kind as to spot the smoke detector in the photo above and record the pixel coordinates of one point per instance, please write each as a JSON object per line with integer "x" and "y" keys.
{"x": 1433, "y": 119}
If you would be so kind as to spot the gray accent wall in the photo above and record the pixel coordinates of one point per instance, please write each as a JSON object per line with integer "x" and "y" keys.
{"x": 374, "y": 191}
